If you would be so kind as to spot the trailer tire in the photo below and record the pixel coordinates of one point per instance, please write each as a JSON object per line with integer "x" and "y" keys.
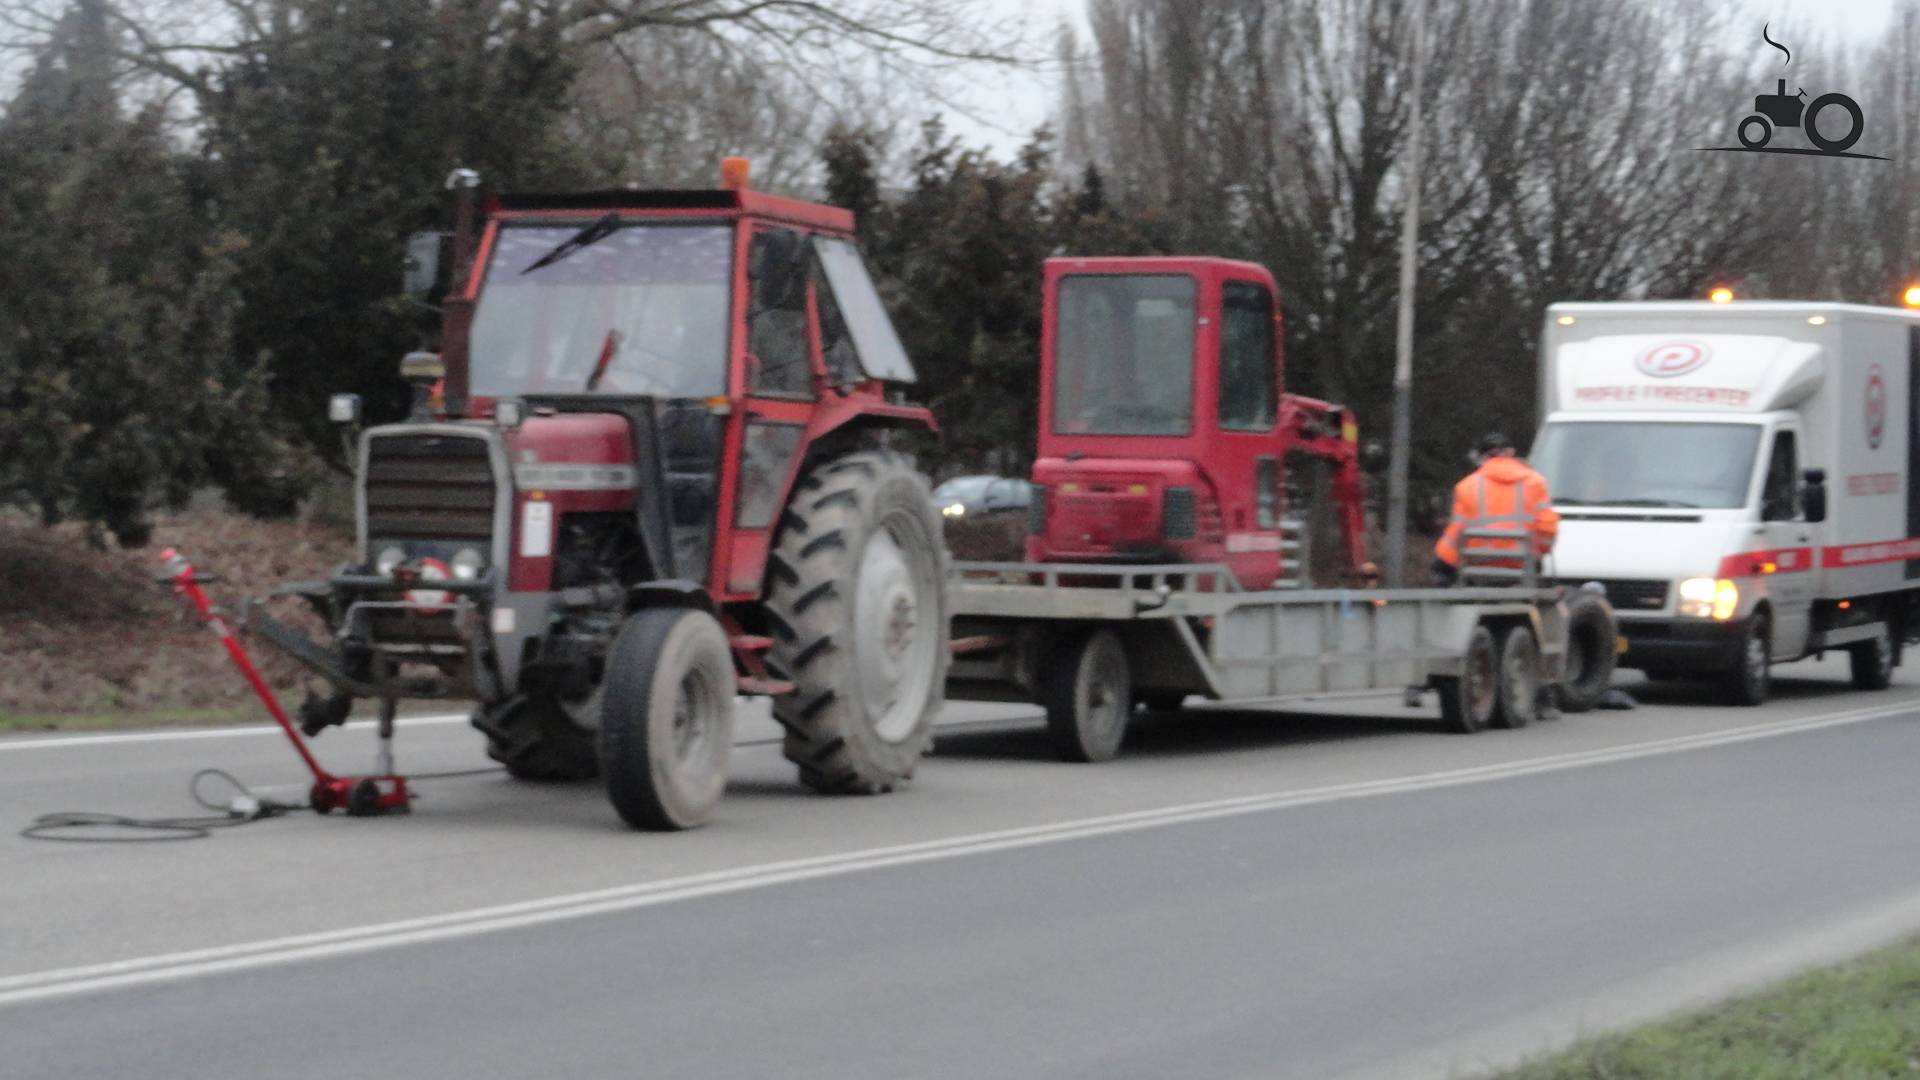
{"x": 1591, "y": 655}
{"x": 1751, "y": 678}
{"x": 1519, "y": 678}
{"x": 542, "y": 745}
{"x": 1088, "y": 696}
{"x": 857, "y": 605}
{"x": 1872, "y": 662}
{"x": 666, "y": 728}
{"x": 1468, "y": 700}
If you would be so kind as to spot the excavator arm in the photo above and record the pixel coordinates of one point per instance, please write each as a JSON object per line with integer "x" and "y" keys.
{"x": 1326, "y": 431}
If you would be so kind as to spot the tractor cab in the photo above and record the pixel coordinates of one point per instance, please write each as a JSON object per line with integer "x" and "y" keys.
{"x": 1164, "y": 433}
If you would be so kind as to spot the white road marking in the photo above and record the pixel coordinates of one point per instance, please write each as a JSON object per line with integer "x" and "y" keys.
{"x": 81, "y": 741}
{"x": 93, "y": 978}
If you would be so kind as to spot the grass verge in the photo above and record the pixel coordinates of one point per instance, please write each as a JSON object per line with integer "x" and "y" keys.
{"x": 1859, "y": 1019}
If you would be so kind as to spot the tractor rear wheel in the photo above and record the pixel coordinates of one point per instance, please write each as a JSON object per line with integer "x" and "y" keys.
{"x": 536, "y": 741}
{"x": 666, "y": 727}
{"x": 856, "y": 601}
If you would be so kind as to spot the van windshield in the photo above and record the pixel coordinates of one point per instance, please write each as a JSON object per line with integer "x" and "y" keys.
{"x": 1633, "y": 463}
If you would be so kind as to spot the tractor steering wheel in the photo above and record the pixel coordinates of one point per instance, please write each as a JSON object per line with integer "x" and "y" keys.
{"x": 1802, "y": 92}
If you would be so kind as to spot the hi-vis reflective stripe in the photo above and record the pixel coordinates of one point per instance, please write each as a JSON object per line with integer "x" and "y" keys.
{"x": 574, "y": 476}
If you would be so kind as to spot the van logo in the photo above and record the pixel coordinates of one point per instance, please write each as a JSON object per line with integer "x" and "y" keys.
{"x": 1876, "y": 407}
{"x": 1671, "y": 359}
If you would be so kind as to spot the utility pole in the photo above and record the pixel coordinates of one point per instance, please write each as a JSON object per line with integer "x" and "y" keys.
{"x": 1403, "y": 352}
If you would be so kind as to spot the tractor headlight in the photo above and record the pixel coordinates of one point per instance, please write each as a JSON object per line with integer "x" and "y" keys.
{"x": 954, "y": 510}
{"x": 1708, "y": 598}
{"x": 466, "y": 564}
{"x": 387, "y": 560}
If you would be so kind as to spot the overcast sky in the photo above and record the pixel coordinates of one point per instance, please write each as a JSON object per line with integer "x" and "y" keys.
{"x": 1005, "y": 106}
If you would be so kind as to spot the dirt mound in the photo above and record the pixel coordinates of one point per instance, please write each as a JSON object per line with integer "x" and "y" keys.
{"x": 84, "y": 629}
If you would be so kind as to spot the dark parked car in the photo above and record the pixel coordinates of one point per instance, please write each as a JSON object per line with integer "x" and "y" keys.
{"x": 966, "y": 496}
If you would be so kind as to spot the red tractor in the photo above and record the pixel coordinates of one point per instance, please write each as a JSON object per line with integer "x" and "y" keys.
{"x": 659, "y": 477}
{"x": 1165, "y": 436}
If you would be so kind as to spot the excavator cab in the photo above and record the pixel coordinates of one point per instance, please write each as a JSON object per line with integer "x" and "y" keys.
{"x": 1164, "y": 432}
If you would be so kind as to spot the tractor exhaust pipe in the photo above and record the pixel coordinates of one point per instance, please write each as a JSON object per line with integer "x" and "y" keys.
{"x": 458, "y": 308}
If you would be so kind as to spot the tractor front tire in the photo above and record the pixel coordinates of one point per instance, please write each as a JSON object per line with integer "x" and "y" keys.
{"x": 536, "y": 742}
{"x": 857, "y": 604}
{"x": 666, "y": 727}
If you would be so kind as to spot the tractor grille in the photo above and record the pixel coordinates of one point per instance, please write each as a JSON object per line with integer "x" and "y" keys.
{"x": 429, "y": 487}
{"x": 1630, "y": 595}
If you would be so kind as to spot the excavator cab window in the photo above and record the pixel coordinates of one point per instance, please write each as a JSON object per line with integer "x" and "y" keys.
{"x": 1247, "y": 399}
{"x": 1124, "y": 349}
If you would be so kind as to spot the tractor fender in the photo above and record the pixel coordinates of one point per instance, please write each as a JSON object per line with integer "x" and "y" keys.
{"x": 670, "y": 592}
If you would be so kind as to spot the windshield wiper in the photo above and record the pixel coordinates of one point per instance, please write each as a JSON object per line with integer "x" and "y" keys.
{"x": 586, "y": 237}
{"x": 1663, "y": 503}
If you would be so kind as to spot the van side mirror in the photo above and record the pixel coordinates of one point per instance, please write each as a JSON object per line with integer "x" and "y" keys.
{"x": 1813, "y": 495}
{"x": 420, "y": 276}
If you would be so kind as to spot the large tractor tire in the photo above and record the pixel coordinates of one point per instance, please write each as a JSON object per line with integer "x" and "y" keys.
{"x": 666, "y": 726}
{"x": 856, "y": 600}
{"x": 536, "y": 741}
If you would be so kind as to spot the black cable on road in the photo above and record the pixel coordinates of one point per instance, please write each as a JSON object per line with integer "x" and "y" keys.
{"x": 86, "y": 827}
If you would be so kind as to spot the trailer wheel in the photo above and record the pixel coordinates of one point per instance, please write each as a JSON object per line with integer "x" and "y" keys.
{"x": 1467, "y": 700}
{"x": 536, "y": 741}
{"x": 1873, "y": 661}
{"x": 666, "y": 728}
{"x": 1519, "y": 678}
{"x": 1591, "y": 655}
{"x": 1752, "y": 675}
{"x": 1088, "y": 696}
{"x": 856, "y": 599}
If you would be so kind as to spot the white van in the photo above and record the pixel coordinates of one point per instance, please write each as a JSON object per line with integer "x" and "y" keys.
{"x": 1738, "y": 477}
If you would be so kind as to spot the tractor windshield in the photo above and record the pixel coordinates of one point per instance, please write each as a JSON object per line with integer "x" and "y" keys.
{"x": 659, "y": 293}
{"x": 1123, "y": 355}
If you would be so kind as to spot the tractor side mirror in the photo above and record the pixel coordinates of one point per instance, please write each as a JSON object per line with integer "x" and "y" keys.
{"x": 1374, "y": 456}
{"x": 1813, "y": 496}
{"x": 420, "y": 277}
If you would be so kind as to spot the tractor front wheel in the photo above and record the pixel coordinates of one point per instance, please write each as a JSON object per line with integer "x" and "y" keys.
{"x": 856, "y": 600}
{"x": 537, "y": 741}
{"x": 666, "y": 724}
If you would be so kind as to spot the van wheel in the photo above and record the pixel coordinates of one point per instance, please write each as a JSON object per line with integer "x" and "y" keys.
{"x": 1752, "y": 676}
{"x": 1467, "y": 701}
{"x": 1873, "y": 661}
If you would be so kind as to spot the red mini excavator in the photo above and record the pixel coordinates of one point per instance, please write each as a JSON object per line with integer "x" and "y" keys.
{"x": 1166, "y": 435}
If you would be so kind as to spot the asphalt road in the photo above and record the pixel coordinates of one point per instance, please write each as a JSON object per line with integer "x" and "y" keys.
{"x": 1334, "y": 890}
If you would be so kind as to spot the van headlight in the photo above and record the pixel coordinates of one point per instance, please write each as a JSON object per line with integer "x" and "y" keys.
{"x": 1708, "y": 598}
{"x": 954, "y": 510}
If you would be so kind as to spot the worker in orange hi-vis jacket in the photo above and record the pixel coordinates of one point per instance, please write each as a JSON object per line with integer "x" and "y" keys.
{"x": 1503, "y": 493}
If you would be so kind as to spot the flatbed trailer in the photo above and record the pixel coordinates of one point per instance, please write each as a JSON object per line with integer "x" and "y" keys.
{"x": 1091, "y": 642}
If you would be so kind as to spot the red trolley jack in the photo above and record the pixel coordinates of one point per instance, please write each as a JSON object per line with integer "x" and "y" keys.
{"x": 384, "y": 792}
